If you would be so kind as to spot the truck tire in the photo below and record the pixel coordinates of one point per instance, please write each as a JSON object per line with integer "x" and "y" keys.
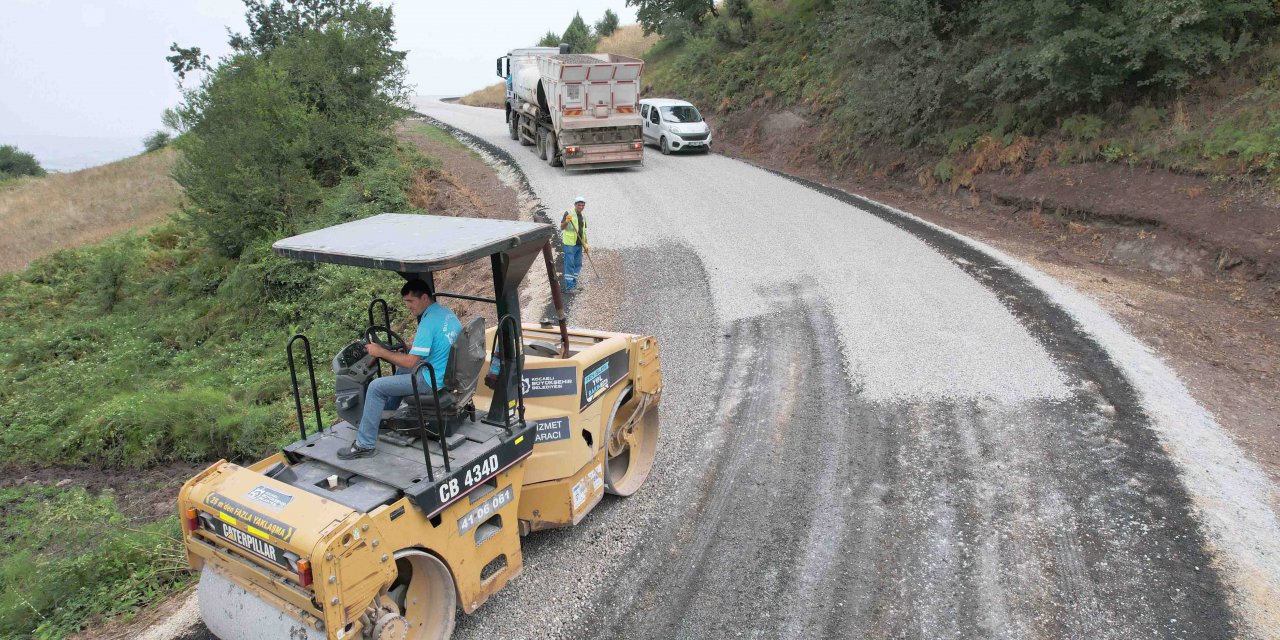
{"x": 542, "y": 144}
{"x": 553, "y": 150}
{"x": 513, "y": 125}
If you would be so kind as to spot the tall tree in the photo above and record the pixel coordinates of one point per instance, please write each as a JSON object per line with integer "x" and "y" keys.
{"x": 578, "y": 36}
{"x": 307, "y": 98}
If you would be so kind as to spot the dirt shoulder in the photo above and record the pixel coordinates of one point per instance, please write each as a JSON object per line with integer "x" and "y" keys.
{"x": 1187, "y": 265}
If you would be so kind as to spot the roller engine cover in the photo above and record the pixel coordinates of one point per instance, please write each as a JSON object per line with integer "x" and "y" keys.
{"x": 353, "y": 369}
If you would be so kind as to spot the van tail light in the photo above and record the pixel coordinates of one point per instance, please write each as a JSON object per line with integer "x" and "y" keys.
{"x": 190, "y": 520}
{"x": 304, "y": 573}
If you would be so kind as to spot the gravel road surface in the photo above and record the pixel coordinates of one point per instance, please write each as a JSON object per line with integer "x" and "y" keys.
{"x": 874, "y": 428}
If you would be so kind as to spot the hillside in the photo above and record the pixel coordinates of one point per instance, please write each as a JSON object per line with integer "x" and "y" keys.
{"x": 66, "y": 210}
{"x": 1184, "y": 141}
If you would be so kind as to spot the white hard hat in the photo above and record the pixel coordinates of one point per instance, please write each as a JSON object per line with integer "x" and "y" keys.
{"x": 579, "y": 199}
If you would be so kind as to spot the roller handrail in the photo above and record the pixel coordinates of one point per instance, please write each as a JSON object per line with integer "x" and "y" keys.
{"x": 422, "y": 426}
{"x": 293, "y": 375}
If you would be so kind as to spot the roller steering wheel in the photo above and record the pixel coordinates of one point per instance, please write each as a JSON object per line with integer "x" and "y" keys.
{"x": 393, "y": 342}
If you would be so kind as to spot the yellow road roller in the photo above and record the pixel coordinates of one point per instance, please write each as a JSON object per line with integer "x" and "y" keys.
{"x": 532, "y": 425}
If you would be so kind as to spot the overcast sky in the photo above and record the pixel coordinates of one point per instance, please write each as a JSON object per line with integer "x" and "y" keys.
{"x": 83, "y": 82}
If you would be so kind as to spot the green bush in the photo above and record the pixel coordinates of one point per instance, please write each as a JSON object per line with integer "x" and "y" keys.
{"x": 15, "y": 163}
{"x": 1083, "y": 127}
{"x": 68, "y": 557}
{"x": 549, "y": 39}
{"x": 156, "y": 141}
{"x": 607, "y": 24}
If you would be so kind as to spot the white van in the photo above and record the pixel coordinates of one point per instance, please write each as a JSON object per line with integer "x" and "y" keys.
{"x": 674, "y": 125}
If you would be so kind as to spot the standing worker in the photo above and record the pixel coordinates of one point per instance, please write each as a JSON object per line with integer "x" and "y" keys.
{"x": 573, "y": 234}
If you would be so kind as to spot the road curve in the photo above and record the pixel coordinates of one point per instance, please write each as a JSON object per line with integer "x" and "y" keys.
{"x": 874, "y": 428}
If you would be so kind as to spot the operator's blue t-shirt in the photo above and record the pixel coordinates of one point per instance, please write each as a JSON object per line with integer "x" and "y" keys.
{"x": 437, "y": 329}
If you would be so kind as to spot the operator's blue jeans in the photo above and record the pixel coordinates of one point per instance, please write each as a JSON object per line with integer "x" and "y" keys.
{"x": 572, "y": 265}
{"x": 384, "y": 393}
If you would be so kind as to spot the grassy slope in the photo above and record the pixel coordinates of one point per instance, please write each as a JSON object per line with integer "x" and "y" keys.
{"x": 41, "y": 215}
{"x": 1227, "y": 126}
{"x": 490, "y": 96}
{"x": 628, "y": 40}
{"x": 142, "y": 350}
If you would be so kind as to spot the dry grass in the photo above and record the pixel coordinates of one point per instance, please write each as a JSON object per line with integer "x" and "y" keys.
{"x": 41, "y": 215}
{"x": 628, "y": 40}
{"x": 491, "y": 96}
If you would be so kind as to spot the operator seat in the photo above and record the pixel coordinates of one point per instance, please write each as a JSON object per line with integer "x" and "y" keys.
{"x": 461, "y": 377}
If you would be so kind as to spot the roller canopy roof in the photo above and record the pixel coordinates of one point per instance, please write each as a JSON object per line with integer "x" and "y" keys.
{"x": 411, "y": 243}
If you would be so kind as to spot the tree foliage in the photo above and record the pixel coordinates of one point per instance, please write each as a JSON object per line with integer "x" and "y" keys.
{"x": 607, "y": 24}
{"x": 578, "y": 36}
{"x": 306, "y": 99}
{"x": 918, "y": 64}
{"x": 14, "y": 163}
{"x": 549, "y": 39}
{"x": 156, "y": 141}
{"x": 672, "y": 17}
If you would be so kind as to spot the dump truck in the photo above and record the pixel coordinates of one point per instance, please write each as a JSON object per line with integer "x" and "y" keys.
{"x": 533, "y": 424}
{"x": 578, "y": 110}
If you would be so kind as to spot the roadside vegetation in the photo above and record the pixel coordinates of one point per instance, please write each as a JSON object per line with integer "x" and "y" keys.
{"x": 68, "y": 556}
{"x": 948, "y": 89}
{"x": 493, "y": 96}
{"x": 167, "y": 345}
{"x": 628, "y": 40}
{"x": 15, "y": 163}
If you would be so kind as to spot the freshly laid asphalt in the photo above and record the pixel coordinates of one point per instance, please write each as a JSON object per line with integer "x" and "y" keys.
{"x": 873, "y": 428}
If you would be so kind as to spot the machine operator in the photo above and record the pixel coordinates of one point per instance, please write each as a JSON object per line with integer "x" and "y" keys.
{"x": 438, "y": 327}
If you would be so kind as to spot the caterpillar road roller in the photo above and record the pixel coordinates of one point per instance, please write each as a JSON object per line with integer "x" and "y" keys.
{"x": 532, "y": 425}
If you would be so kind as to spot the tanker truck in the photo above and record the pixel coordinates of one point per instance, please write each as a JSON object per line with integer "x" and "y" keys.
{"x": 577, "y": 110}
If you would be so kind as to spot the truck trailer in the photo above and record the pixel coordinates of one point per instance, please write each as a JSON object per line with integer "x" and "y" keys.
{"x": 577, "y": 110}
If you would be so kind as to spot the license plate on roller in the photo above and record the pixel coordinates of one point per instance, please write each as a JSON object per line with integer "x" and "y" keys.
{"x": 246, "y": 541}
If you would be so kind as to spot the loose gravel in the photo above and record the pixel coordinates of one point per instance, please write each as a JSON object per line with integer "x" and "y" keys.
{"x": 980, "y": 470}
{"x": 909, "y": 322}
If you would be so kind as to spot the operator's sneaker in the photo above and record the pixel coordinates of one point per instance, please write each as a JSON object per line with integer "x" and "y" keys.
{"x": 356, "y": 451}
